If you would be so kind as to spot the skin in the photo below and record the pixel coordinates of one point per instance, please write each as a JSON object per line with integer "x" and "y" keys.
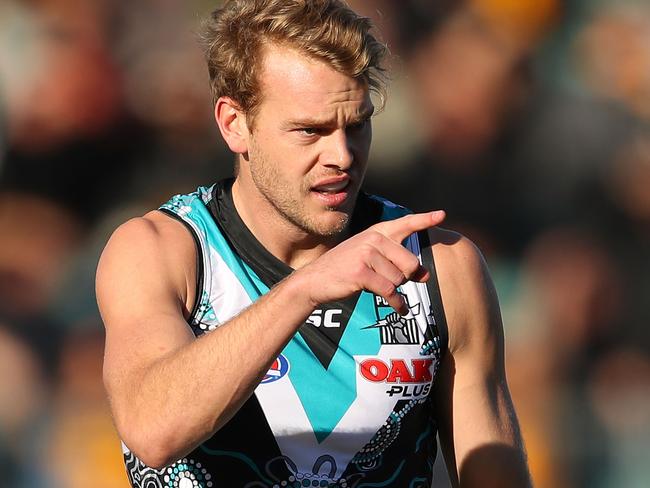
{"x": 146, "y": 290}
{"x": 325, "y": 132}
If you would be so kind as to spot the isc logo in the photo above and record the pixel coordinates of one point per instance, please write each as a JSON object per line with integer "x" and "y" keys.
{"x": 326, "y": 318}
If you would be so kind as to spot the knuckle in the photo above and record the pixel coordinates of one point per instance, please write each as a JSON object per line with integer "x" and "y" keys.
{"x": 408, "y": 220}
{"x": 413, "y": 264}
{"x": 366, "y": 252}
{"x": 388, "y": 289}
{"x": 399, "y": 278}
{"x": 360, "y": 269}
{"x": 373, "y": 238}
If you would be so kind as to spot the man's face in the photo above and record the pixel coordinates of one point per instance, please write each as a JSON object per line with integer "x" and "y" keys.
{"x": 308, "y": 148}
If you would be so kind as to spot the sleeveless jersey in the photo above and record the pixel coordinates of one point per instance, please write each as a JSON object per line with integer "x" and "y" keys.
{"x": 347, "y": 402}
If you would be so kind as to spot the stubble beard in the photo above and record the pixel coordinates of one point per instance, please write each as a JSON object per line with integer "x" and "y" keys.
{"x": 273, "y": 189}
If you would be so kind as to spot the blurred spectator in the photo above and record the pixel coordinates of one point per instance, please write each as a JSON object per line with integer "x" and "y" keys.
{"x": 469, "y": 91}
{"x": 573, "y": 315}
{"x": 63, "y": 96}
{"x": 523, "y": 24}
{"x": 39, "y": 238}
{"x": 22, "y": 391}
{"x": 81, "y": 435}
{"x": 60, "y": 82}
{"x": 619, "y": 389}
{"x": 627, "y": 179}
{"x": 467, "y": 82}
{"x": 165, "y": 79}
{"x": 613, "y": 54}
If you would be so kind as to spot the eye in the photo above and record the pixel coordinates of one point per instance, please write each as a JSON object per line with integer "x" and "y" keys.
{"x": 309, "y": 131}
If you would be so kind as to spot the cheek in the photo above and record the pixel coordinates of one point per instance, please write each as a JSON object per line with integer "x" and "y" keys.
{"x": 263, "y": 151}
{"x": 368, "y": 139}
{"x": 360, "y": 145}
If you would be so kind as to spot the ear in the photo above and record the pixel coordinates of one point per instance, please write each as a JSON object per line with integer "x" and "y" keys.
{"x": 232, "y": 124}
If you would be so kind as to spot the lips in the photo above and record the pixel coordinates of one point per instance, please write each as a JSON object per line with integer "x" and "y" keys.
{"x": 332, "y": 186}
{"x": 332, "y": 192}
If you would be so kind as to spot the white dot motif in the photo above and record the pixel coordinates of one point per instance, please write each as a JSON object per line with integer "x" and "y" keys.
{"x": 185, "y": 483}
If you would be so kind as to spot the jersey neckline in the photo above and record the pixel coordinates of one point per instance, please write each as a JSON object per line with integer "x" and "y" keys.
{"x": 269, "y": 268}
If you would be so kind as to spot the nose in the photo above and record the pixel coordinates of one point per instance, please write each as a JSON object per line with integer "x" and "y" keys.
{"x": 338, "y": 153}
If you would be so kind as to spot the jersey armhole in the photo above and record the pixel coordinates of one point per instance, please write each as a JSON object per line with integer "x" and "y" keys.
{"x": 199, "y": 263}
{"x": 433, "y": 287}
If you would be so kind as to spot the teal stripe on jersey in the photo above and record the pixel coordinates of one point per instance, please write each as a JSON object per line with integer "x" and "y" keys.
{"x": 200, "y": 215}
{"x": 240, "y": 269}
{"x": 327, "y": 394}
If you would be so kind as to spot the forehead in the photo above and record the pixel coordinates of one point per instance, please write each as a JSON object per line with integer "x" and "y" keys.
{"x": 294, "y": 84}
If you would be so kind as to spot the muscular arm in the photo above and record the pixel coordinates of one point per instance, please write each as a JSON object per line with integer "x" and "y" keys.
{"x": 479, "y": 431}
{"x": 170, "y": 391}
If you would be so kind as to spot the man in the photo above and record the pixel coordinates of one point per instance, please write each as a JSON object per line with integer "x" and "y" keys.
{"x": 273, "y": 330}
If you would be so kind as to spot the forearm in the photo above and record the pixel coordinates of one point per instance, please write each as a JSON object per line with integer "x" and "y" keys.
{"x": 489, "y": 450}
{"x": 197, "y": 388}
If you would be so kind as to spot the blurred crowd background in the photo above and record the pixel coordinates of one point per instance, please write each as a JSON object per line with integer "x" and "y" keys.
{"x": 527, "y": 120}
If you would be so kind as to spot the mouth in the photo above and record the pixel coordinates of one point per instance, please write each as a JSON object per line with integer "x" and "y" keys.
{"x": 331, "y": 186}
{"x": 333, "y": 192}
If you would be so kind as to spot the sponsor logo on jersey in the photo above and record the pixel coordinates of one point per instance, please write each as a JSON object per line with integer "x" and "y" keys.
{"x": 406, "y": 380}
{"x": 393, "y": 328}
{"x": 329, "y": 318}
{"x": 278, "y": 370}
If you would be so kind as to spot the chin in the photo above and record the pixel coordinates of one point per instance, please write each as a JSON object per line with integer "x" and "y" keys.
{"x": 332, "y": 224}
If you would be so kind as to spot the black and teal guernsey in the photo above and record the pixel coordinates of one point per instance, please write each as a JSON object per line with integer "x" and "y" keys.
{"x": 348, "y": 401}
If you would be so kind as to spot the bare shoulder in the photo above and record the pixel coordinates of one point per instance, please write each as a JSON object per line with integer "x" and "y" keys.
{"x": 468, "y": 294}
{"x": 458, "y": 261}
{"x": 152, "y": 229}
{"x": 153, "y": 252}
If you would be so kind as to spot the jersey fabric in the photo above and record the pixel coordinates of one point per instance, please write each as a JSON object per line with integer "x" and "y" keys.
{"x": 347, "y": 403}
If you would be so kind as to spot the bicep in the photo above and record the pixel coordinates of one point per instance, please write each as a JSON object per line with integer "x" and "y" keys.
{"x": 140, "y": 301}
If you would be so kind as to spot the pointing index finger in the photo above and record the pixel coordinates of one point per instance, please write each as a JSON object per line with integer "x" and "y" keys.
{"x": 400, "y": 229}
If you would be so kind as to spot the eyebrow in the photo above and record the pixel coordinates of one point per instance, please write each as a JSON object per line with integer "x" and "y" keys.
{"x": 314, "y": 122}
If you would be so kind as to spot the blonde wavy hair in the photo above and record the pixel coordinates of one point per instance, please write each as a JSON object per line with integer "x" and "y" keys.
{"x": 326, "y": 30}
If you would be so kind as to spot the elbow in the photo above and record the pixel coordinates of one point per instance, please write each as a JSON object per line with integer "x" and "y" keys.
{"x": 153, "y": 447}
{"x": 152, "y": 458}
{"x": 158, "y": 441}
{"x": 152, "y": 453}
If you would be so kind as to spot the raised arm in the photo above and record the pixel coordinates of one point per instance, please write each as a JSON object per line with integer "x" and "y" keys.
{"x": 164, "y": 395}
{"x": 479, "y": 431}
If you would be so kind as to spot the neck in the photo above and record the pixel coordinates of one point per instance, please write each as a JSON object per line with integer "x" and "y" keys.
{"x": 286, "y": 241}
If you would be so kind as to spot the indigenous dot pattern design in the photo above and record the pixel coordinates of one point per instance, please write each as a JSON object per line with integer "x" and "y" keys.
{"x": 303, "y": 480}
{"x": 178, "y": 205}
{"x": 185, "y": 473}
{"x": 307, "y": 479}
{"x": 432, "y": 344}
{"x": 433, "y": 347}
{"x": 140, "y": 475}
{"x": 370, "y": 455}
{"x": 205, "y": 319}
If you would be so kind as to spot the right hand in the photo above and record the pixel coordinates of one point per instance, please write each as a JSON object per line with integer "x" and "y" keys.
{"x": 373, "y": 260}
